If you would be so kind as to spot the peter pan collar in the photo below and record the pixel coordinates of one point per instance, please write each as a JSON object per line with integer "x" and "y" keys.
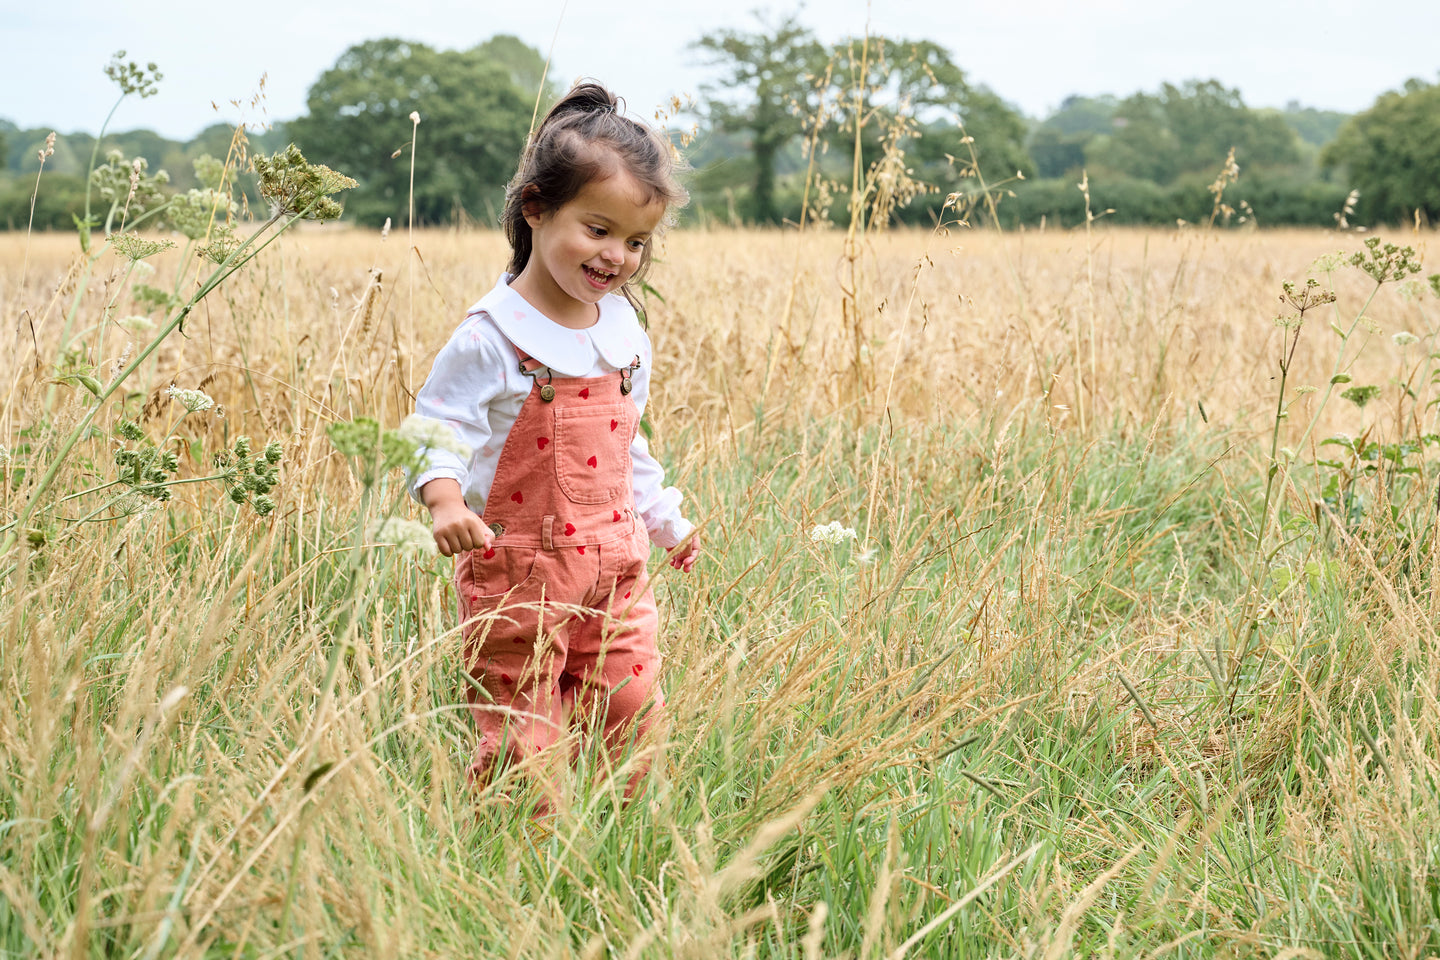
{"x": 616, "y": 337}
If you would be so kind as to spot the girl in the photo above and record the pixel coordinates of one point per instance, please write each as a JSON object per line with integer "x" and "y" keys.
{"x": 551, "y": 518}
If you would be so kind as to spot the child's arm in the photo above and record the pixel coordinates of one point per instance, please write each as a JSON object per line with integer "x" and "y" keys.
{"x": 457, "y": 528}
{"x": 464, "y": 380}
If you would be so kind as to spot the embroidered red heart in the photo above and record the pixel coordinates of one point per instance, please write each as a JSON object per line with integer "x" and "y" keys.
{"x": 519, "y": 640}
{"x": 638, "y": 669}
{"x": 585, "y": 394}
{"x": 489, "y": 554}
{"x": 505, "y": 679}
{"x": 518, "y": 497}
{"x": 569, "y": 529}
{"x": 627, "y": 594}
{"x": 581, "y": 549}
{"x": 614, "y": 424}
{"x": 616, "y": 518}
{"x": 541, "y": 441}
{"x": 593, "y": 462}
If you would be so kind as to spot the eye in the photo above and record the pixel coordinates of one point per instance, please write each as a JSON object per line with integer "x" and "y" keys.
{"x": 596, "y": 231}
{"x": 637, "y": 245}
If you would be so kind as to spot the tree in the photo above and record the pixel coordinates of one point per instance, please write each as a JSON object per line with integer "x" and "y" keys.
{"x": 774, "y": 71}
{"x": 1190, "y": 128}
{"x": 919, "y": 79}
{"x": 1315, "y": 127}
{"x": 1057, "y": 144}
{"x": 522, "y": 62}
{"x": 1391, "y": 154}
{"x": 474, "y": 121}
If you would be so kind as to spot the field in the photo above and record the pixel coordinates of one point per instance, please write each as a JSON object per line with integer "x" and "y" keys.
{"x": 1134, "y": 652}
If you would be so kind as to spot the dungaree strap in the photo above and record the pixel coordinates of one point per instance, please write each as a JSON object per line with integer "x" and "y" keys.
{"x": 528, "y": 365}
{"x": 531, "y": 367}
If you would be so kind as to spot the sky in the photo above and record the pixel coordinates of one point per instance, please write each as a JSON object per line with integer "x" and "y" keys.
{"x": 1323, "y": 53}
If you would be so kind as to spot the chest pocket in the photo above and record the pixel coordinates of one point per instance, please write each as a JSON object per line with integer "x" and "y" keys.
{"x": 592, "y": 451}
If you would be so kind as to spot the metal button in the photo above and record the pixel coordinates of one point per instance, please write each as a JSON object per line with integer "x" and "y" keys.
{"x": 498, "y": 529}
{"x": 547, "y": 393}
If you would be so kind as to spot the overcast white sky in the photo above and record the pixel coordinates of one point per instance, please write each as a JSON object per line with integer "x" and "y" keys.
{"x": 1324, "y": 53}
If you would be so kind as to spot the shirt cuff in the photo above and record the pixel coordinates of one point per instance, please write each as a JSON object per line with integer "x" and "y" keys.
{"x": 435, "y": 473}
{"x": 672, "y": 533}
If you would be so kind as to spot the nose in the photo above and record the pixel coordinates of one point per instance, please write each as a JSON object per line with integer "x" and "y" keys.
{"x": 614, "y": 252}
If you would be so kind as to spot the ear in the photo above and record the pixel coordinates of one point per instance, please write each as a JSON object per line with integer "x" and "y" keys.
{"x": 530, "y": 206}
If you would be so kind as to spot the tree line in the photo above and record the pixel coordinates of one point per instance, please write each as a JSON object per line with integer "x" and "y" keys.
{"x": 791, "y": 126}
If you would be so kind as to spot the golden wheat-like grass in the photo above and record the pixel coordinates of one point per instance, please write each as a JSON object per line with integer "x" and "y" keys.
{"x": 221, "y": 738}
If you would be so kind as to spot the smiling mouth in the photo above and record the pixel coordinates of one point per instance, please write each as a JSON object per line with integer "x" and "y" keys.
{"x": 598, "y": 277}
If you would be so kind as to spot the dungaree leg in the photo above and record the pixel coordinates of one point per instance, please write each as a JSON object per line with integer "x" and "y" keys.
{"x": 520, "y": 714}
{"x": 613, "y": 656}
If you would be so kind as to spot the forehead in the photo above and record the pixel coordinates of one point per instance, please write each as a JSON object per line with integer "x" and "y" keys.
{"x": 621, "y": 200}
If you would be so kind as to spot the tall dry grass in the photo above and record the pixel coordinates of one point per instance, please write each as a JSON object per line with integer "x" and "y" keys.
{"x": 1052, "y": 699}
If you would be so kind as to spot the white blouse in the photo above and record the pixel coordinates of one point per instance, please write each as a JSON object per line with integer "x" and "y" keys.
{"x": 476, "y": 388}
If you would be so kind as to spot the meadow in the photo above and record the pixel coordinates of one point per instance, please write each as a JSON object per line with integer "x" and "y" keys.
{"x": 1133, "y": 653}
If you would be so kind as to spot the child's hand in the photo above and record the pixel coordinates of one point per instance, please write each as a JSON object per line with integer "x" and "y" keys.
{"x": 457, "y": 528}
{"x": 684, "y": 556}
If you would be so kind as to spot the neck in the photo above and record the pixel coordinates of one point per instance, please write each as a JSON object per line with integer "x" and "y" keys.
{"x": 569, "y": 313}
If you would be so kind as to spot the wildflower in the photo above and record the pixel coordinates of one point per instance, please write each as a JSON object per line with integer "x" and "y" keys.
{"x": 409, "y": 535}
{"x": 1303, "y": 389}
{"x": 1361, "y": 395}
{"x": 136, "y": 324}
{"x": 432, "y": 434}
{"x": 1404, "y": 338}
{"x": 142, "y": 270}
{"x": 194, "y": 401}
{"x": 294, "y": 186}
{"x": 202, "y": 214}
{"x": 132, "y": 503}
{"x": 831, "y": 533}
{"x": 1328, "y": 263}
{"x": 222, "y": 248}
{"x": 127, "y": 183}
{"x": 415, "y": 117}
{"x": 131, "y": 78}
{"x": 132, "y": 246}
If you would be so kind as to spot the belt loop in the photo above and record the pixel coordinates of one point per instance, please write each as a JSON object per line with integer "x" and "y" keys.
{"x": 545, "y": 527}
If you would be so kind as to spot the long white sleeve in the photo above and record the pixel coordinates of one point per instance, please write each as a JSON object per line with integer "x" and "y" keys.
{"x": 466, "y": 380}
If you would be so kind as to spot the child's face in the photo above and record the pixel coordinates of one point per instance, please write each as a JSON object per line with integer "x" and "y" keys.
{"x": 588, "y": 247}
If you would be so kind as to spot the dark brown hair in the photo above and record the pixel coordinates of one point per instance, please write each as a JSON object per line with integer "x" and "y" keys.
{"x": 585, "y": 137}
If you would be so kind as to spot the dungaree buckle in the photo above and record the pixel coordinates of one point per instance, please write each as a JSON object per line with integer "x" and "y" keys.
{"x": 625, "y": 372}
{"x": 547, "y": 392}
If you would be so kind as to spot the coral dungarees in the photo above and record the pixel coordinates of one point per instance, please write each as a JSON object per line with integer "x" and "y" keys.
{"x": 559, "y": 618}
